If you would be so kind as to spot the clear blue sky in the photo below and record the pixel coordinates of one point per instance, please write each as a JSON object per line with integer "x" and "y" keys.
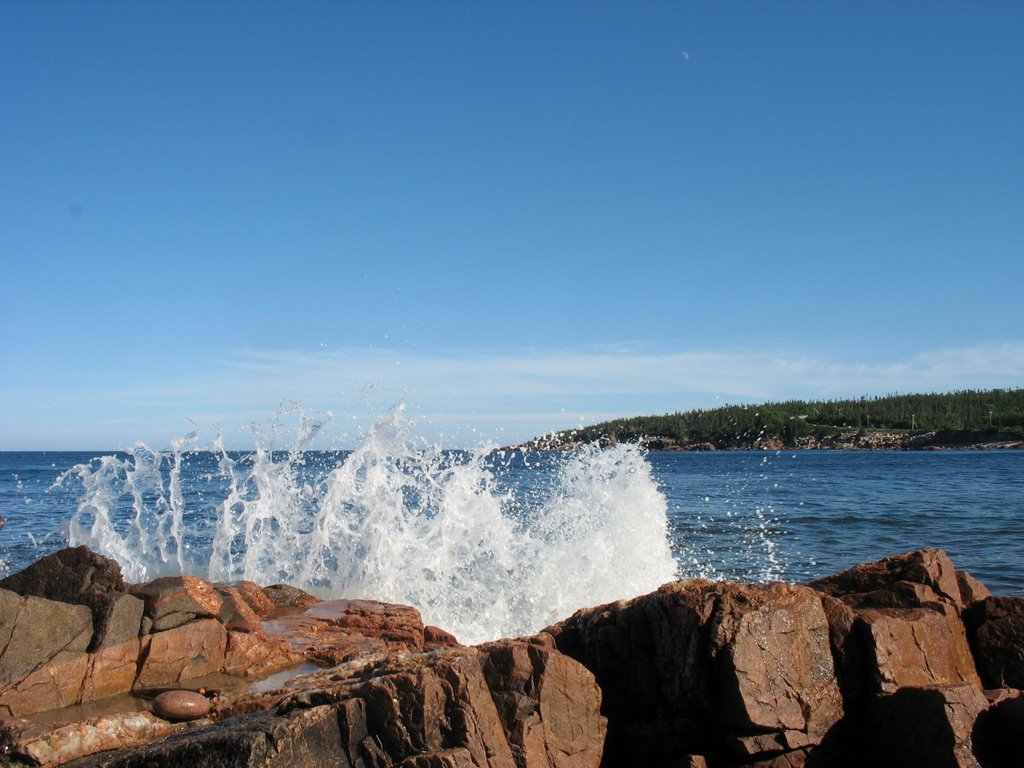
{"x": 515, "y": 217}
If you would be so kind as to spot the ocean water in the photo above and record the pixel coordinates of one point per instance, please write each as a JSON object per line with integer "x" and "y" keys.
{"x": 494, "y": 543}
{"x": 799, "y": 515}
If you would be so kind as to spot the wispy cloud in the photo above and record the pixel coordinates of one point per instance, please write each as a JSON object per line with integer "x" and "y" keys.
{"x": 570, "y": 374}
{"x": 467, "y": 396}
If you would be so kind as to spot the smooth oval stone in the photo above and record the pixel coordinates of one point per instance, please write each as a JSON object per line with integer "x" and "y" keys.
{"x": 181, "y": 705}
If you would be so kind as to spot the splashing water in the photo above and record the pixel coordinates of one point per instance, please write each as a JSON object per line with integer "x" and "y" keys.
{"x": 485, "y": 544}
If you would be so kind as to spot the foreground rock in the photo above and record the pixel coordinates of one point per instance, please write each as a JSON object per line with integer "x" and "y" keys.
{"x": 996, "y": 628}
{"x": 703, "y": 668}
{"x": 72, "y": 632}
{"x": 336, "y": 631}
{"x": 508, "y": 704}
{"x": 901, "y": 662}
{"x": 870, "y": 666}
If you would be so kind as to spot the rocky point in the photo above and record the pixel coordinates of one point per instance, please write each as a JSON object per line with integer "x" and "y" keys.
{"x": 904, "y": 661}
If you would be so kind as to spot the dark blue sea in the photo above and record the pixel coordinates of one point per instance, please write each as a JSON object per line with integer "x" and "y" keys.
{"x": 504, "y": 542}
{"x": 813, "y": 513}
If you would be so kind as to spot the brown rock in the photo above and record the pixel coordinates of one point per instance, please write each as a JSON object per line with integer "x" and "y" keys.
{"x": 899, "y": 594}
{"x": 182, "y": 653}
{"x": 44, "y": 663}
{"x": 548, "y": 704}
{"x": 265, "y": 740}
{"x": 254, "y": 654}
{"x": 34, "y": 630}
{"x": 64, "y": 743}
{"x": 117, "y": 618}
{"x": 335, "y": 631}
{"x": 111, "y": 671}
{"x": 996, "y": 629}
{"x": 971, "y": 590}
{"x": 756, "y": 745}
{"x": 287, "y": 599}
{"x": 387, "y": 621}
{"x": 243, "y": 626}
{"x": 356, "y": 743}
{"x": 57, "y": 683}
{"x": 927, "y": 726}
{"x": 772, "y": 646}
{"x": 435, "y": 637}
{"x": 916, "y": 647}
{"x": 446, "y": 758}
{"x": 697, "y": 659}
{"x": 181, "y": 705}
{"x": 234, "y": 608}
{"x": 423, "y": 709}
{"x": 930, "y": 567}
{"x": 426, "y": 710}
{"x": 67, "y": 575}
{"x": 81, "y": 577}
{"x": 848, "y": 650}
{"x": 997, "y": 731}
{"x": 254, "y": 597}
{"x": 176, "y": 600}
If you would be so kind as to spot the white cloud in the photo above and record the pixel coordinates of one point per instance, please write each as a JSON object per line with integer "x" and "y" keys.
{"x": 597, "y": 372}
{"x": 467, "y": 396}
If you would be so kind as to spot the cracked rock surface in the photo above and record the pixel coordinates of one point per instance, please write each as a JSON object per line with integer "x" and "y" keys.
{"x": 903, "y": 661}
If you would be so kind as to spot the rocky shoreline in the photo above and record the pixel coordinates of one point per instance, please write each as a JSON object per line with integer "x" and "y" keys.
{"x": 905, "y": 661}
{"x": 852, "y": 440}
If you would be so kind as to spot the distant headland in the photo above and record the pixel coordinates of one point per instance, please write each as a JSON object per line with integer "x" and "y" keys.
{"x": 969, "y": 419}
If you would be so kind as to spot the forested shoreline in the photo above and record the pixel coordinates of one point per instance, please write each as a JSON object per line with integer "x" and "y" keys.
{"x": 963, "y": 419}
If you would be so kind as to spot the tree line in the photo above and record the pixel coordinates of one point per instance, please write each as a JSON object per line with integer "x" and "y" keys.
{"x": 994, "y": 411}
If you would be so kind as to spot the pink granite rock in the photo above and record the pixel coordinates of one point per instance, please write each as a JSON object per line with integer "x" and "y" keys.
{"x": 930, "y": 567}
{"x": 182, "y": 653}
{"x": 55, "y": 745}
{"x": 917, "y": 647}
{"x": 254, "y": 597}
{"x": 334, "y": 631}
{"x": 254, "y": 654}
{"x": 177, "y": 600}
{"x": 111, "y": 671}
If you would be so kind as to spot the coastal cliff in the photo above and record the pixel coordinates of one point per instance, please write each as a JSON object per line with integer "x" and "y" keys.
{"x": 904, "y": 661}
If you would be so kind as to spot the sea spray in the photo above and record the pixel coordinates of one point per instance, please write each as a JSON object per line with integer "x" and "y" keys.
{"x": 479, "y": 552}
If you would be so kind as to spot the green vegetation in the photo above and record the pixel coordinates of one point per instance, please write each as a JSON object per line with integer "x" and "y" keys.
{"x": 958, "y": 416}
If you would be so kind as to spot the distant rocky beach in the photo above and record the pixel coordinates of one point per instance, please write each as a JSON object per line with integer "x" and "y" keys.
{"x": 905, "y": 661}
{"x": 853, "y": 440}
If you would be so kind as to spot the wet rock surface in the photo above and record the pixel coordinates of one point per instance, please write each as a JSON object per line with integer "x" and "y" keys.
{"x": 103, "y": 637}
{"x": 335, "y": 631}
{"x": 900, "y": 662}
{"x": 505, "y": 705}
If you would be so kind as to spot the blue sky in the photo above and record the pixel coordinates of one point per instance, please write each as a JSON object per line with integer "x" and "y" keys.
{"x": 513, "y": 217}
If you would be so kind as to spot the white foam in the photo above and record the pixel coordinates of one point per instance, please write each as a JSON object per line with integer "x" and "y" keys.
{"x": 480, "y": 552}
